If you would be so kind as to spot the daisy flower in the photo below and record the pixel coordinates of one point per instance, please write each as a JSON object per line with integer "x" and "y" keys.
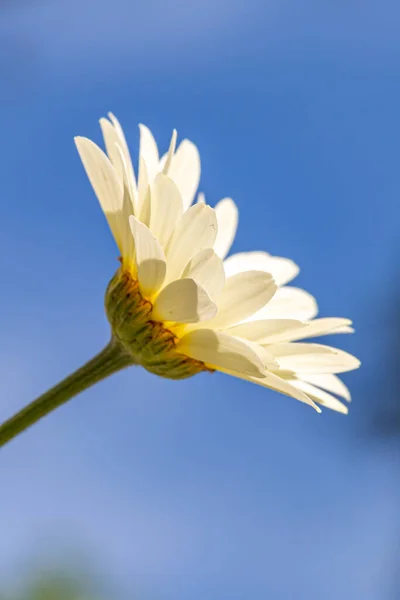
{"x": 178, "y": 304}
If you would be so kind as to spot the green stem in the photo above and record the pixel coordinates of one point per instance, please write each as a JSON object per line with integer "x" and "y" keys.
{"x": 110, "y": 360}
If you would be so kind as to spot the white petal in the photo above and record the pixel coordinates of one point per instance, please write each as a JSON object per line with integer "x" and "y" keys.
{"x": 128, "y": 246}
{"x": 111, "y": 141}
{"x": 227, "y": 219}
{"x": 127, "y": 209}
{"x": 166, "y": 160}
{"x": 145, "y": 213}
{"x": 221, "y": 351}
{"x": 289, "y": 303}
{"x": 312, "y": 358}
{"x": 128, "y": 187}
{"x": 106, "y": 184}
{"x": 166, "y": 208}
{"x": 266, "y": 330}
{"x": 125, "y": 150}
{"x": 316, "y": 328}
{"x": 331, "y": 383}
{"x": 273, "y": 382}
{"x": 243, "y": 295}
{"x": 320, "y": 396}
{"x": 144, "y": 193}
{"x": 101, "y": 174}
{"x": 150, "y": 258}
{"x": 196, "y": 231}
{"x": 273, "y": 331}
{"x": 185, "y": 171}
{"x": 208, "y": 270}
{"x": 184, "y": 301}
{"x": 283, "y": 270}
{"x": 148, "y": 151}
{"x": 266, "y": 357}
{"x": 201, "y": 197}
{"x": 344, "y": 329}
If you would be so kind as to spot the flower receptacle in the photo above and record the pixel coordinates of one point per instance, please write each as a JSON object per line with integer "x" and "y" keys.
{"x": 150, "y": 343}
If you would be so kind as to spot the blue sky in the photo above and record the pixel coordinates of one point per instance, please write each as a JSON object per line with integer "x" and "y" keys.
{"x": 209, "y": 487}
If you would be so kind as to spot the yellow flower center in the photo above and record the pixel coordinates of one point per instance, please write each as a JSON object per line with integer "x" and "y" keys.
{"x": 148, "y": 341}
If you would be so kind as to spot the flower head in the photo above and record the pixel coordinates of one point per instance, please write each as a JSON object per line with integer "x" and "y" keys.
{"x": 178, "y": 305}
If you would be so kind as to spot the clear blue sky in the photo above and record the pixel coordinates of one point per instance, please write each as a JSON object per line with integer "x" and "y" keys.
{"x": 208, "y": 488}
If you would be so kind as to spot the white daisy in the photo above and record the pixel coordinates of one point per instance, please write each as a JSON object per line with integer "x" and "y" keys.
{"x": 177, "y": 305}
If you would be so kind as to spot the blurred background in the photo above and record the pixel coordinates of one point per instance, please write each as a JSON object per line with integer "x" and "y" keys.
{"x": 208, "y": 488}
